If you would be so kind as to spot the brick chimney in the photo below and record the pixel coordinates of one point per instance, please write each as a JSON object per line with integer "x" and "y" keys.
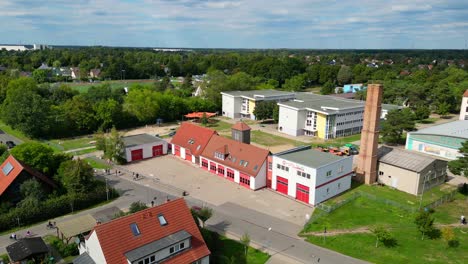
{"x": 367, "y": 161}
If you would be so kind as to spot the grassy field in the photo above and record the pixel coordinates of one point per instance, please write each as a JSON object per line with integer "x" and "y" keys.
{"x": 364, "y": 212}
{"x": 234, "y": 248}
{"x": 219, "y": 125}
{"x": 96, "y": 164}
{"x": 73, "y": 143}
{"x": 267, "y": 139}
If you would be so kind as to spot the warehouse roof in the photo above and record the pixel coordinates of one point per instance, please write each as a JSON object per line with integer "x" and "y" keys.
{"x": 309, "y": 157}
{"x": 405, "y": 159}
{"x": 140, "y": 139}
{"x": 452, "y": 129}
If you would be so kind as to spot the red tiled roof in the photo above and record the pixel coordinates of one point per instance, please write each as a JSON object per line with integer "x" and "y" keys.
{"x": 18, "y": 167}
{"x": 116, "y": 237}
{"x": 200, "y": 115}
{"x": 465, "y": 94}
{"x": 191, "y": 136}
{"x": 241, "y": 126}
{"x": 238, "y": 151}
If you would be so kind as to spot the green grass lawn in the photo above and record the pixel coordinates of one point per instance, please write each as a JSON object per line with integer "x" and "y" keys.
{"x": 234, "y": 248}
{"x": 83, "y": 87}
{"x": 267, "y": 139}
{"x": 83, "y": 151}
{"x": 410, "y": 248}
{"x": 219, "y": 125}
{"x": 69, "y": 144}
{"x": 97, "y": 164}
{"x": 16, "y": 133}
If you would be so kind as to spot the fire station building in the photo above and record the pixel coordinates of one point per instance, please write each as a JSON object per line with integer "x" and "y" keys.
{"x": 309, "y": 175}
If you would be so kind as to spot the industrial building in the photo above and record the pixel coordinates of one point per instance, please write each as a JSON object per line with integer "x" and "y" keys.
{"x": 408, "y": 171}
{"x": 309, "y": 175}
{"x": 443, "y": 140}
{"x": 241, "y": 104}
{"x": 323, "y": 116}
{"x": 143, "y": 146}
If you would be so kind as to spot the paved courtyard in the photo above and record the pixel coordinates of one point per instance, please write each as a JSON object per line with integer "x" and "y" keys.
{"x": 218, "y": 191}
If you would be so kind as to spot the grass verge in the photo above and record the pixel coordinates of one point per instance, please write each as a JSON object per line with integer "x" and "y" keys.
{"x": 18, "y": 134}
{"x": 97, "y": 164}
{"x": 267, "y": 139}
{"x": 72, "y": 143}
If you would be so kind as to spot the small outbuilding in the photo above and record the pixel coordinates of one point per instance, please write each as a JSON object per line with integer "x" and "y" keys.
{"x": 28, "y": 249}
{"x": 410, "y": 171}
{"x": 143, "y": 146}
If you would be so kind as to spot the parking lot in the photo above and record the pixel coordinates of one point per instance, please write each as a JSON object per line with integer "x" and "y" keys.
{"x": 218, "y": 191}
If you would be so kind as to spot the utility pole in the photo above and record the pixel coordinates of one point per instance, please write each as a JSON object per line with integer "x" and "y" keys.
{"x": 107, "y": 191}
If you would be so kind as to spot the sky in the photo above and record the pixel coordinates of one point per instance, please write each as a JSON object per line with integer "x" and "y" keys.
{"x": 310, "y": 24}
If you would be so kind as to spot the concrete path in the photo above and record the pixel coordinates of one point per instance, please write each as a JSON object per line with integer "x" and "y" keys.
{"x": 79, "y": 149}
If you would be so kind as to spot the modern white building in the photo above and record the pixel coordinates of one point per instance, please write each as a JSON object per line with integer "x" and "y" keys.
{"x": 309, "y": 175}
{"x": 23, "y": 47}
{"x": 443, "y": 140}
{"x": 143, "y": 146}
{"x": 237, "y": 104}
{"x": 464, "y": 107}
{"x": 323, "y": 116}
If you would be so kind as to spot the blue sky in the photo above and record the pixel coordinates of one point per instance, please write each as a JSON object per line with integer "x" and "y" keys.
{"x": 342, "y": 24}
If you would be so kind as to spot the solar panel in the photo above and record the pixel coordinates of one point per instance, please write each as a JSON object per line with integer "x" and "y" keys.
{"x": 7, "y": 168}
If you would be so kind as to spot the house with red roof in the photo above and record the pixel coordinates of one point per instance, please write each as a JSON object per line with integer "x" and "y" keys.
{"x": 163, "y": 234}
{"x": 190, "y": 141}
{"x": 235, "y": 159}
{"x": 13, "y": 173}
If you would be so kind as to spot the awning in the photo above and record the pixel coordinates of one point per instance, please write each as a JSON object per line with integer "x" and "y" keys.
{"x": 77, "y": 225}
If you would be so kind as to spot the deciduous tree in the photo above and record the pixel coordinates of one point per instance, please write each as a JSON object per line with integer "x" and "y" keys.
{"x": 460, "y": 165}
{"x": 77, "y": 176}
{"x": 397, "y": 122}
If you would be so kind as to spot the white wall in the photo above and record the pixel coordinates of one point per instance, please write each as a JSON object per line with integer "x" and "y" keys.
{"x": 147, "y": 149}
{"x": 288, "y": 122}
{"x": 463, "y": 109}
{"x": 14, "y": 47}
{"x": 205, "y": 260}
{"x": 334, "y": 187}
{"x": 259, "y": 181}
{"x": 94, "y": 249}
{"x": 231, "y": 106}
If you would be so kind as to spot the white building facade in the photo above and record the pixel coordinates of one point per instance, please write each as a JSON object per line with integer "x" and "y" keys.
{"x": 143, "y": 146}
{"x": 464, "y": 107}
{"x": 310, "y": 176}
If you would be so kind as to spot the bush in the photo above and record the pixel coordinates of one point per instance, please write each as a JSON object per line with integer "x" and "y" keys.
{"x": 54, "y": 207}
{"x": 65, "y": 250}
{"x": 5, "y": 258}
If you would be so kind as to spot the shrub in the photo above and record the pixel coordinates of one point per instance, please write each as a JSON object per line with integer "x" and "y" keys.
{"x": 63, "y": 249}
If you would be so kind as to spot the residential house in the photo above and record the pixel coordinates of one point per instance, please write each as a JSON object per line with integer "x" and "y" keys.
{"x": 75, "y": 73}
{"x": 95, "y": 73}
{"x": 44, "y": 66}
{"x": 13, "y": 173}
{"x": 190, "y": 140}
{"x": 28, "y": 250}
{"x": 309, "y": 175}
{"x": 162, "y": 234}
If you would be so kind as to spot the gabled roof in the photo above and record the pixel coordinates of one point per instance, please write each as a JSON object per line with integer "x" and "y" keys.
{"x": 11, "y": 168}
{"x": 116, "y": 237}
{"x": 241, "y": 126}
{"x": 193, "y": 137}
{"x": 26, "y": 248}
{"x": 254, "y": 156}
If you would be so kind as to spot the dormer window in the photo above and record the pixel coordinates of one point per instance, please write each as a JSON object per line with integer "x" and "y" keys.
{"x": 219, "y": 155}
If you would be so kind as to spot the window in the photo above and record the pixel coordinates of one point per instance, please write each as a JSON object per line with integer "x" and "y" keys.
{"x": 299, "y": 173}
{"x": 245, "y": 181}
{"x": 219, "y": 155}
{"x": 135, "y": 229}
{"x": 152, "y": 258}
{"x": 339, "y": 185}
{"x": 171, "y": 250}
{"x": 381, "y": 173}
{"x": 246, "y": 163}
{"x": 162, "y": 220}
{"x": 328, "y": 190}
{"x": 278, "y": 166}
{"x": 270, "y": 166}
{"x": 220, "y": 170}
{"x": 241, "y": 162}
{"x": 340, "y": 169}
{"x": 230, "y": 174}
{"x": 204, "y": 163}
{"x": 147, "y": 261}
{"x": 182, "y": 245}
{"x": 329, "y": 173}
{"x": 140, "y": 262}
{"x": 7, "y": 168}
{"x": 213, "y": 167}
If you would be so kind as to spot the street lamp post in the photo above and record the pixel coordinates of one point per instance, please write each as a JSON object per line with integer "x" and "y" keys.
{"x": 107, "y": 191}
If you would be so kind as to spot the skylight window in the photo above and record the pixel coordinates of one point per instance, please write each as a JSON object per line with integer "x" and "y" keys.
{"x": 162, "y": 220}
{"x": 135, "y": 229}
{"x": 256, "y": 167}
{"x": 246, "y": 163}
{"x": 241, "y": 162}
{"x": 198, "y": 148}
{"x": 7, "y": 168}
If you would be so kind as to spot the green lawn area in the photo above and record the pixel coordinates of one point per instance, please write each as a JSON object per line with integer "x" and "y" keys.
{"x": 97, "y": 164}
{"x": 219, "y": 125}
{"x": 83, "y": 151}
{"x": 367, "y": 212}
{"x": 410, "y": 248}
{"x": 234, "y": 248}
{"x": 16, "y": 133}
{"x": 267, "y": 139}
{"x": 83, "y": 87}
{"x": 69, "y": 144}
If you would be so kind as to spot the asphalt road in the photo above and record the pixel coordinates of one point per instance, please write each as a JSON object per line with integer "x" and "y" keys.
{"x": 227, "y": 219}
{"x": 4, "y": 137}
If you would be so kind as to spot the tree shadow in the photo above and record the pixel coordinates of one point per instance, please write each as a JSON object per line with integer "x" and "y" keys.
{"x": 434, "y": 234}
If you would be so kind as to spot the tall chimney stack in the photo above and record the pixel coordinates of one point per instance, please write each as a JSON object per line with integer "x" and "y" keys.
{"x": 367, "y": 162}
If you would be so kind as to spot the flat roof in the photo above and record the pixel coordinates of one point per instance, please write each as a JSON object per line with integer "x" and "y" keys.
{"x": 327, "y": 103}
{"x": 77, "y": 225}
{"x": 259, "y": 93}
{"x": 140, "y": 139}
{"x": 406, "y": 159}
{"x": 457, "y": 128}
{"x": 310, "y": 157}
{"x": 157, "y": 245}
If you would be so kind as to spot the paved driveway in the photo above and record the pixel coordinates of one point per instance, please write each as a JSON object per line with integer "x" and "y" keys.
{"x": 4, "y": 137}
{"x": 218, "y": 191}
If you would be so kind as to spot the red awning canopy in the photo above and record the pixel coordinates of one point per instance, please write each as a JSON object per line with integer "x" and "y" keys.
{"x": 199, "y": 115}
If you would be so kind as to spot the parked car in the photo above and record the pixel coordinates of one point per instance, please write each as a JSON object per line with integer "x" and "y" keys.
{"x": 172, "y": 133}
{"x": 10, "y": 144}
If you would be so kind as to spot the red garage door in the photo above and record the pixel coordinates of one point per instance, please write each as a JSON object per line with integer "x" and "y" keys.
{"x": 230, "y": 174}
{"x": 220, "y": 170}
{"x": 137, "y": 154}
{"x": 177, "y": 151}
{"x": 157, "y": 150}
{"x": 302, "y": 193}
{"x": 213, "y": 167}
{"x": 188, "y": 155}
{"x": 282, "y": 185}
{"x": 244, "y": 180}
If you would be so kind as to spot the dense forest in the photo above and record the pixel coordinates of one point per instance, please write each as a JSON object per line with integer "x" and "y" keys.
{"x": 425, "y": 80}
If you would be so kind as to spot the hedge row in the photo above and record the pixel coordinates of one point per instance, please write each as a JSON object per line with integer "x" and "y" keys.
{"x": 54, "y": 207}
